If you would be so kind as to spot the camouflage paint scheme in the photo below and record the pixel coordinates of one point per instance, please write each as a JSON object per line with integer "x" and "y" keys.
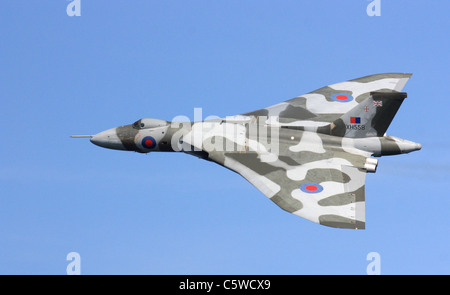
{"x": 309, "y": 154}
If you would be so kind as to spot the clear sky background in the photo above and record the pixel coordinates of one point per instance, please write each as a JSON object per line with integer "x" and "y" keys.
{"x": 167, "y": 213}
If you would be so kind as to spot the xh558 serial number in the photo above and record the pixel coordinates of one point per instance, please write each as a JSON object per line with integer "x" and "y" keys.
{"x": 226, "y": 284}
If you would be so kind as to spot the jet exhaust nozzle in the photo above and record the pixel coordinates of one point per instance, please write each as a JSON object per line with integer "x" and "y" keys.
{"x": 371, "y": 165}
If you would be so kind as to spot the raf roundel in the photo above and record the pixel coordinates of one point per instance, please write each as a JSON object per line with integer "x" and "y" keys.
{"x": 148, "y": 142}
{"x": 341, "y": 97}
{"x": 311, "y": 188}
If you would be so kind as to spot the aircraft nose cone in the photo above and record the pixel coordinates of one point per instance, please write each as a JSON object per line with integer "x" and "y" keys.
{"x": 418, "y": 146}
{"x": 97, "y": 140}
{"x": 108, "y": 139}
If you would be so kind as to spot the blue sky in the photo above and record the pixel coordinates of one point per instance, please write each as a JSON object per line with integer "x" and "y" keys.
{"x": 128, "y": 213}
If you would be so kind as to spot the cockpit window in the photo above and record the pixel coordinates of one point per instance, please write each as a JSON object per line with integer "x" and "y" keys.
{"x": 138, "y": 124}
{"x": 149, "y": 123}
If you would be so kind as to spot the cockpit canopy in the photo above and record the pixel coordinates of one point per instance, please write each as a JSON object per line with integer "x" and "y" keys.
{"x": 149, "y": 123}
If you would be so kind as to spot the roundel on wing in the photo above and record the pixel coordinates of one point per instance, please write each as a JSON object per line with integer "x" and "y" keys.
{"x": 148, "y": 142}
{"x": 341, "y": 97}
{"x": 311, "y": 188}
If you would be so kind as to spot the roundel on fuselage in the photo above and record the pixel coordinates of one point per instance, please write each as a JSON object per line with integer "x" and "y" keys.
{"x": 148, "y": 142}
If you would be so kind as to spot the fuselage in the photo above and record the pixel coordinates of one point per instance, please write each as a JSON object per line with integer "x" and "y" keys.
{"x": 149, "y": 135}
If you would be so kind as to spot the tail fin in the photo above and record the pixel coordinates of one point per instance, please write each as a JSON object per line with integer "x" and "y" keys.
{"x": 371, "y": 117}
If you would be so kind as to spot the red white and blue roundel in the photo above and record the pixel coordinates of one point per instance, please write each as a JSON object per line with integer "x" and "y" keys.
{"x": 311, "y": 188}
{"x": 148, "y": 142}
{"x": 341, "y": 97}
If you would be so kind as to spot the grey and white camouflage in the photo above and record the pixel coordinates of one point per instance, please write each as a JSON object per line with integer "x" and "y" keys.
{"x": 309, "y": 154}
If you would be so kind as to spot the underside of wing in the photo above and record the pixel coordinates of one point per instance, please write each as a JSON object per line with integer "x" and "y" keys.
{"x": 330, "y": 102}
{"x": 328, "y": 192}
{"x": 323, "y": 185}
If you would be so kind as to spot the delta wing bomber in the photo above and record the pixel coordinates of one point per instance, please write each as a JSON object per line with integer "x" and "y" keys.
{"x": 309, "y": 154}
